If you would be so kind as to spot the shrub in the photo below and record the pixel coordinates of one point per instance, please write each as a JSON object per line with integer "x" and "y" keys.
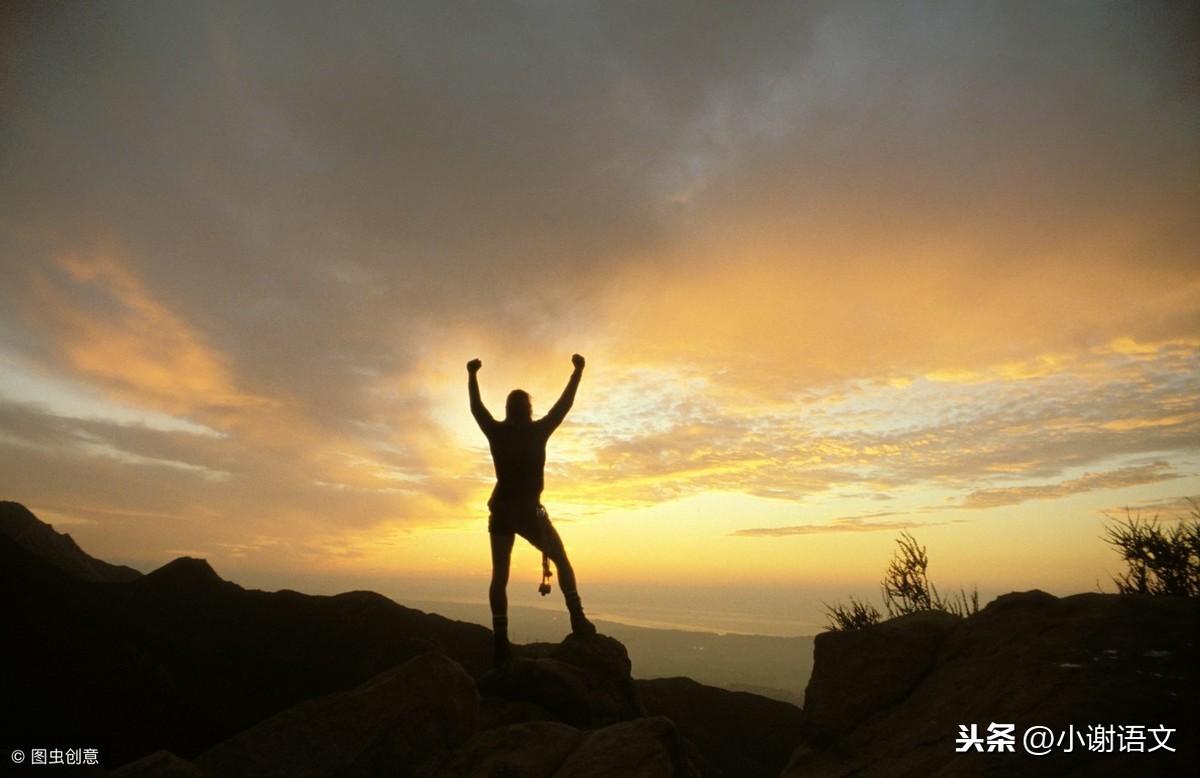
{"x": 906, "y": 589}
{"x": 856, "y": 615}
{"x": 1161, "y": 560}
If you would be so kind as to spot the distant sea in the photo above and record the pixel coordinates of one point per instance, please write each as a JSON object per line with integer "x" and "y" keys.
{"x": 723, "y": 610}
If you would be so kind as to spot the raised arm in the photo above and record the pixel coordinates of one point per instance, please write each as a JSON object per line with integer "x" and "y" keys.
{"x": 559, "y": 411}
{"x": 482, "y": 417}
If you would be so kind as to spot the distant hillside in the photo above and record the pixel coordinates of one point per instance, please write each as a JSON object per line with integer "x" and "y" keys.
{"x": 180, "y": 659}
{"x": 57, "y": 549}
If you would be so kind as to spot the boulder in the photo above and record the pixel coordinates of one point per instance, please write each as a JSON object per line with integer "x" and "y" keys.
{"x": 649, "y": 747}
{"x": 533, "y": 749}
{"x": 388, "y": 726}
{"x": 643, "y": 748}
{"x": 583, "y": 681}
{"x": 863, "y": 671}
{"x": 1089, "y": 669}
{"x": 738, "y": 733}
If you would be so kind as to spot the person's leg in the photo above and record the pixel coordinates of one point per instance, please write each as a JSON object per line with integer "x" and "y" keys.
{"x": 550, "y": 544}
{"x": 502, "y": 546}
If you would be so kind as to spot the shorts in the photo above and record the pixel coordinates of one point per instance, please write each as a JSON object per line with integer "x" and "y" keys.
{"x": 528, "y": 522}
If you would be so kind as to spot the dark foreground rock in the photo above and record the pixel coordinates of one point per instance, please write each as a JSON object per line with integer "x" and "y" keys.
{"x": 583, "y": 681}
{"x": 740, "y": 734}
{"x": 1098, "y": 672}
{"x": 646, "y": 747}
{"x": 424, "y": 719}
{"x": 868, "y": 670}
{"x": 390, "y": 725}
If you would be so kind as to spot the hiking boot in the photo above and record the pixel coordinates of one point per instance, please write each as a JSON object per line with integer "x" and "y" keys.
{"x": 580, "y": 624}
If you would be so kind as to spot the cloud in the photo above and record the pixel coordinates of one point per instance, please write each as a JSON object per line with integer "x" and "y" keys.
{"x": 104, "y": 325}
{"x": 1175, "y": 509}
{"x": 809, "y": 249}
{"x": 844, "y": 524}
{"x": 1115, "y": 479}
{"x": 989, "y": 437}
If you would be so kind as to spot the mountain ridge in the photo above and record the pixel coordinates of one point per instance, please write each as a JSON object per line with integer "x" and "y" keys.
{"x": 59, "y": 549}
{"x": 180, "y": 660}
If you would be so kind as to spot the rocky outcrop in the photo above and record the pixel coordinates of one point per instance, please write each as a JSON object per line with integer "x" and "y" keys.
{"x": 425, "y": 719}
{"x": 868, "y": 670}
{"x": 532, "y": 748}
{"x": 1084, "y": 667}
{"x": 390, "y": 725}
{"x": 583, "y": 681}
{"x": 644, "y": 748}
{"x": 569, "y": 710}
{"x": 647, "y": 747}
{"x": 739, "y": 733}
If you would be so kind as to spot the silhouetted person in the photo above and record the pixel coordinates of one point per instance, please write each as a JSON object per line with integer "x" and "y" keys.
{"x": 518, "y": 447}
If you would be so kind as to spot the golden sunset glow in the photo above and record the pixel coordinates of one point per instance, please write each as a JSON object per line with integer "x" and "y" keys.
{"x": 836, "y": 274}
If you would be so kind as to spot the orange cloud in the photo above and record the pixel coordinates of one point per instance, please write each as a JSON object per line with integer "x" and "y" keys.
{"x": 106, "y": 326}
{"x": 772, "y": 309}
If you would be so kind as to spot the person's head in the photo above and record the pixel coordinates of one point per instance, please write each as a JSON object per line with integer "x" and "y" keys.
{"x": 519, "y": 407}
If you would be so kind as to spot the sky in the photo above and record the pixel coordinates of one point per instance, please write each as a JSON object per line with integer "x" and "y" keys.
{"x": 839, "y": 270}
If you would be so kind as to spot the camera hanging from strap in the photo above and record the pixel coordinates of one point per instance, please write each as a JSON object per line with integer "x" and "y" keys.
{"x": 544, "y": 588}
{"x": 544, "y": 518}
